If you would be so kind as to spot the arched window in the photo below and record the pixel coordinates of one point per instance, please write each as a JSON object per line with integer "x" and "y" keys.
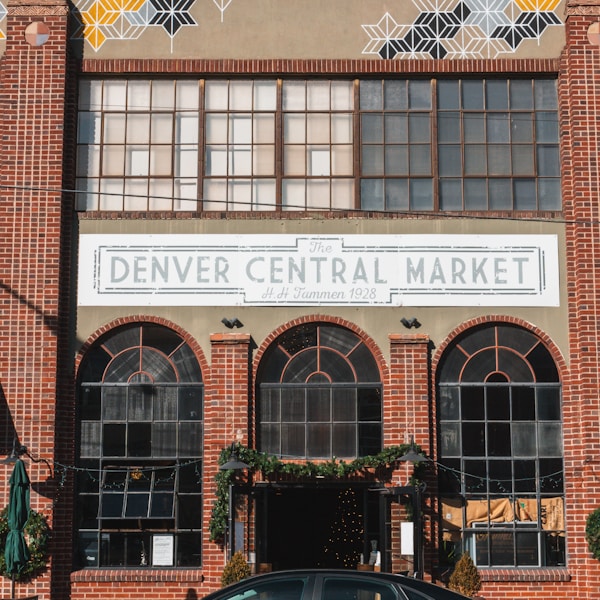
{"x": 319, "y": 395}
{"x": 501, "y": 451}
{"x": 140, "y": 449}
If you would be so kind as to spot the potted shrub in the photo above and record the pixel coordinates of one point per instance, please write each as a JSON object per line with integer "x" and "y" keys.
{"x": 465, "y": 577}
{"x": 235, "y": 570}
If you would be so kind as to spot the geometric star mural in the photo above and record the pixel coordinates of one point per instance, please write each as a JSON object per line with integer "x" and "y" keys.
{"x": 461, "y": 29}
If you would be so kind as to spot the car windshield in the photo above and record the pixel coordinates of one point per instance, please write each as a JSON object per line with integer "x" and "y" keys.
{"x": 273, "y": 590}
{"x": 355, "y": 589}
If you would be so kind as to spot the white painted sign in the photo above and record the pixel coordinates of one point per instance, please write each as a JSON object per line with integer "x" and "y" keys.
{"x": 325, "y": 270}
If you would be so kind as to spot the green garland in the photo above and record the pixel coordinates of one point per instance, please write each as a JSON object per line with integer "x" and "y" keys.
{"x": 270, "y": 465}
{"x": 592, "y": 533}
{"x": 37, "y": 533}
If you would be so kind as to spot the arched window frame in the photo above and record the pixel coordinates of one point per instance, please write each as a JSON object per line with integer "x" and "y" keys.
{"x": 319, "y": 395}
{"x": 500, "y": 449}
{"x": 139, "y": 453}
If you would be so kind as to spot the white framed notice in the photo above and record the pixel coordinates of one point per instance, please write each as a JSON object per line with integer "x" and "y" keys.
{"x": 163, "y": 547}
{"x": 407, "y": 538}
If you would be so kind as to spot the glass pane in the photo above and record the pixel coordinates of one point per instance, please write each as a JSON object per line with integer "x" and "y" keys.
{"x": 294, "y": 95}
{"x": 472, "y": 403}
{"x": 419, "y": 128}
{"x": 90, "y": 95}
{"x": 524, "y": 194}
{"x": 240, "y": 95}
{"x": 90, "y": 402}
{"x": 546, "y": 127}
{"x": 88, "y": 161}
{"x": 472, "y": 94}
{"x": 114, "y": 94}
{"x": 265, "y": 95}
{"x": 549, "y": 194}
{"x": 522, "y": 160}
{"x": 341, "y": 129}
{"x": 396, "y": 160}
{"x": 293, "y": 405}
{"x": 496, "y": 95}
{"x": 113, "y": 161}
{"x": 550, "y": 439}
{"x": 548, "y": 161}
{"x": 449, "y": 127}
{"x": 342, "y": 95}
{"x": 164, "y": 439}
{"x": 372, "y": 194}
{"x": 369, "y": 404}
{"x": 521, "y": 94}
{"x": 500, "y": 194}
{"x": 216, "y": 129}
{"x": 112, "y": 505}
{"x": 90, "y": 439}
{"x": 498, "y": 128}
{"x": 499, "y": 162}
{"x": 476, "y": 194}
{"x": 498, "y": 403}
{"x": 317, "y": 128}
{"x": 344, "y": 440}
{"x": 371, "y": 95}
{"x": 317, "y": 95}
{"x": 318, "y": 441}
{"x": 396, "y": 194}
{"x": 137, "y": 505}
{"x": 473, "y": 439}
{"x": 524, "y": 439}
{"x": 451, "y": 194}
{"x": 523, "y": 403}
{"x": 139, "y": 439}
{"x": 88, "y": 128}
{"x": 449, "y": 160}
{"x": 396, "y": 129}
{"x": 521, "y": 128}
{"x": 140, "y": 403}
{"x": 264, "y": 129}
{"x": 161, "y": 129}
{"x": 114, "y": 128}
{"x": 419, "y": 94}
{"x": 188, "y": 97}
{"x": 372, "y": 160}
{"x": 395, "y": 95}
{"x": 450, "y": 440}
{"x": 372, "y": 128}
{"x": 292, "y": 440}
{"x": 190, "y": 439}
{"x": 448, "y": 94}
{"x": 475, "y": 159}
{"x": 162, "y": 505}
{"x": 186, "y": 129}
{"x": 449, "y": 403}
{"x": 216, "y": 95}
{"x": 498, "y": 439}
{"x": 548, "y": 404}
{"x": 420, "y": 159}
{"x": 421, "y": 194}
{"x": 342, "y": 160}
{"x": 545, "y": 94}
{"x": 138, "y": 128}
{"x": 474, "y": 128}
{"x": 163, "y": 95}
{"x": 114, "y": 403}
{"x": 318, "y": 404}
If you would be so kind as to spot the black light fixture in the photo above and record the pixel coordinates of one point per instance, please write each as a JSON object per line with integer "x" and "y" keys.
{"x": 231, "y": 323}
{"x": 17, "y": 451}
{"x": 412, "y": 455}
{"x": 410, "y": 323}
{"x": 234, "y": 463}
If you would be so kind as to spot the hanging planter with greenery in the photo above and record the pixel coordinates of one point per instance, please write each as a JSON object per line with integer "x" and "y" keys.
{"x": 270, "y": 465}
{"x": 37, "y": 533}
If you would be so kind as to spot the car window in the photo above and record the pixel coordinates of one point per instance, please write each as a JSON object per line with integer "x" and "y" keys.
{"x": 412, "y": 595}
{"x": 290, "y": 589}
{"x": 355, "y": 589}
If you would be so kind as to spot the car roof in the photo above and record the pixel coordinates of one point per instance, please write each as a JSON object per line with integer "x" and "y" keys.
{"x": 416, "y": 584}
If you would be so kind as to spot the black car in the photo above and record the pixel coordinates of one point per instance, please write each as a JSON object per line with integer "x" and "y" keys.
{"x": 315, "y": 584}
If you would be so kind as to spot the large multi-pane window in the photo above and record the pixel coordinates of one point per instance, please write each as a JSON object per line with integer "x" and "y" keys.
{"x": 501, "y": 454}
{"x": 395, "y": 145}
{"x": 140, "y": 451}
{"x": 319, "y": 395}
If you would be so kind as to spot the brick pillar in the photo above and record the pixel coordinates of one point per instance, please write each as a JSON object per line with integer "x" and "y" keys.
{"x": 33, "y": 238}
{"x": 580, "y": 126}
{"x": 226, "y": 420}
{"x": 408, "y": 413}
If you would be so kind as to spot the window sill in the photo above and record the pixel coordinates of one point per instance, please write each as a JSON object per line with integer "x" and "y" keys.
{"x": 531, "y": 574}
{"x": 151, "y": 574}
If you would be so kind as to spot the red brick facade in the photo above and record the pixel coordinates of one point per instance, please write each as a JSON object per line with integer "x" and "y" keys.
{"x": 37, "y": 374}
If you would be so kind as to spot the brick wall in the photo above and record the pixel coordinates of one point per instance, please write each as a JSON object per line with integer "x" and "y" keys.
{"x": 33, "y": 335}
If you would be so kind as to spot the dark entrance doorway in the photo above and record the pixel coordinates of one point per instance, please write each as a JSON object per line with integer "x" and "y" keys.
{"x": 324, "y": 527}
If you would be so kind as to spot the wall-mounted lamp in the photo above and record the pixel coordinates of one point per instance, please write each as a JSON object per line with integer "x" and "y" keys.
{"x": 410, "y": 323}
{"x": 231, "y": 323}
{"x": 234, "y": 463}
{"x": 412, "y": 455}
{"x": 17, "y": 451}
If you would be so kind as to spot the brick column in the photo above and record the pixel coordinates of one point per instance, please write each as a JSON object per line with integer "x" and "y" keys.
{"x": 407, "y": 412}
{"x": 580, "y": 127}
{"x": 34, "y": 242}
{"x": 226, "y": 420}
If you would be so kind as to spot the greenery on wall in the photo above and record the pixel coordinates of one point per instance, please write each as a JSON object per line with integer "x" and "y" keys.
{"x": 592, "y": 532}
{"x": 270, "y": 465}
{"x": 37, "y": 533}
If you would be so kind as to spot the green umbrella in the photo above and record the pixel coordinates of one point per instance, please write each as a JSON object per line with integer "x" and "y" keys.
{"x": 16, "y": 552}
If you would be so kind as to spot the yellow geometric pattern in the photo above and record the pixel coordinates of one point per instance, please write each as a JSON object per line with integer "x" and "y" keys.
{"x": 542, "y": 5}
